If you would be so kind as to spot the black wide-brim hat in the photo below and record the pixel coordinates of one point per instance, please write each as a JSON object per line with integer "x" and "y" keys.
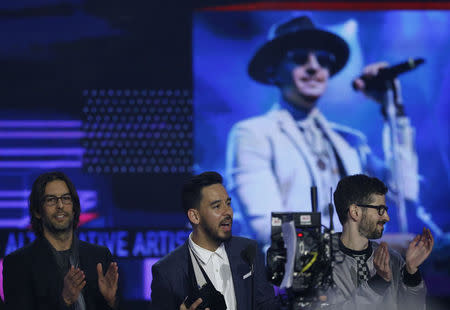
{"x": 297, "y": 33}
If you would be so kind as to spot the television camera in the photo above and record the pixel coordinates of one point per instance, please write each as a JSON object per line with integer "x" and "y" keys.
{"x": 300, "y": 257}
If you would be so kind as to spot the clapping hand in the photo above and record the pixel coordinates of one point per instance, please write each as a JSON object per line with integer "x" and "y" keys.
{"x": 381, "y": 262}
{"x": 73, "y": 284}
{"x": 108, "y": 283}
{"x": 418, "y": 250}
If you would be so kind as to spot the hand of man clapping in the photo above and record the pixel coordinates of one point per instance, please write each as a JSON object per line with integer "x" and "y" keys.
{"x": 73, "y": 284}
{"x": 108, "y": 283}
{"x": 381, "y": 262}
{"x": 418, "y": 250}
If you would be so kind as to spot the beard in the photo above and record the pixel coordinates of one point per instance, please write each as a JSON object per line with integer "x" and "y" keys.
{"x": 370, "y": 229}
{"x": 57, "y": 228}
{"x": 213, "y": 233}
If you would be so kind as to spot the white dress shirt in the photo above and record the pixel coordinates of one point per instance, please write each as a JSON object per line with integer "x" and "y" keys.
{"x": 217, "y": 267}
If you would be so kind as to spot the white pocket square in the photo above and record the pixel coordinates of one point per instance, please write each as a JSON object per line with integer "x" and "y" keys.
{"x": 247, "y": 275}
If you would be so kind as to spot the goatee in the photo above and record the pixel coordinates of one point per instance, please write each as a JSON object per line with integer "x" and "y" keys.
{"x": 214, "y": 235}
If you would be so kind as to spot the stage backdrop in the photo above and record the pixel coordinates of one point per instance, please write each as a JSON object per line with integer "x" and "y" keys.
{"x": 100, "y": 90}
{"x": 224, "y": 42}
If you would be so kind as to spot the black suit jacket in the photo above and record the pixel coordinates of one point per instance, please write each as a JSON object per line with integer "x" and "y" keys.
{"x": 31, "y": 280}
{"x": 171, "y": 283}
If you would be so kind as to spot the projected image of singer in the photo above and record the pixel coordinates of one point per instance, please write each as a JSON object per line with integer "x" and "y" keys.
{"x": 58, "y": 271}
{"x": 213, "y": 269}
{"x": 274, "y": 159}
{"x": 366, "y": 274}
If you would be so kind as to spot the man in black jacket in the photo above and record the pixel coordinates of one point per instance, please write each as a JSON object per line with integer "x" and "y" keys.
{"x": 234, "y": 272}
{"x": 58, "y": 271}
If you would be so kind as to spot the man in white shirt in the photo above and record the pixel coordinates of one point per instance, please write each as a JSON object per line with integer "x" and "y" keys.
{"x": 217, "y": 267}
{"x": 230, "y": 264}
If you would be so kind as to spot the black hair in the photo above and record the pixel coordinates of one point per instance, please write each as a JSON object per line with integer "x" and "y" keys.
{"x": 356, "y": 189}
{"x": 192, "y": 188}
{"x": 36, "y": 199}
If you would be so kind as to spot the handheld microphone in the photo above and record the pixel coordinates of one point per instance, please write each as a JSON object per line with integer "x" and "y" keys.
{"x": 387, "y": 74}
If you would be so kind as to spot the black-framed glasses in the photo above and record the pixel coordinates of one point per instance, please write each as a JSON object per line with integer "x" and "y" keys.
{"x": 381, "y": 208}
{"x": 52, "y": 200}
{"x": 300, "y": 57}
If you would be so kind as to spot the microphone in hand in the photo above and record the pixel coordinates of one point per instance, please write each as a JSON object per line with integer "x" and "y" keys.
{"x": 368, "y": 82}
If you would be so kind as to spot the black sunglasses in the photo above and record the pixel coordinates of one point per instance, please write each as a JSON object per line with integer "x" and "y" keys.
{"x": 300, "y": 57}
{"x": 381, "y": 208}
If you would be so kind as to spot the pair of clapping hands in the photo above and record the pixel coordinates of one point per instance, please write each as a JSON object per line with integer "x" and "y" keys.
{"x": 418, "y": 251}
{"x": 74, "y": 281}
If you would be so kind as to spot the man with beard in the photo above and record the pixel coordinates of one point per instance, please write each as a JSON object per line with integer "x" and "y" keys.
{"x": 211, "y": 259}
{"x": 368, "y": 275}
{"x": 58, "y": 271}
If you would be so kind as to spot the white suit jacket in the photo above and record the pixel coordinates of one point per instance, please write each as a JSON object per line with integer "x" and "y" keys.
{"x": 268, "y": 170}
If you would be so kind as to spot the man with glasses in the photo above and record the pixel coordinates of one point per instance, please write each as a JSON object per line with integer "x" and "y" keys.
{"x": 58, "y": 271}
{"x": 368, "y": 275}
{"x": 274, "y": 159}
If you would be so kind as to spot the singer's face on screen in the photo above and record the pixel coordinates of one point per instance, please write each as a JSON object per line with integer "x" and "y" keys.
{"x": 216, "y": 214}
{"x": 303, "y": 78}
{"x": 57, "y": 210}
{"x": 371, "y": 225}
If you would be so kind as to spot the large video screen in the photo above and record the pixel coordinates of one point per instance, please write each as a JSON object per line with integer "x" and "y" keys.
{"x": 245, "y": 130}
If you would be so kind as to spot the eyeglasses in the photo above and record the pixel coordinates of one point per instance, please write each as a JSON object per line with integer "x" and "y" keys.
{"x": 51, "y": 200}
{"x": 301, "y": 56}
{"x": 381, "y": 208}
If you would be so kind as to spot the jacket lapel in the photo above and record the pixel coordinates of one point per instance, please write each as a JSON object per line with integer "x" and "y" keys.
{"x": 238, "y": 269}
{"x": 289, "y": 127}
{"x": 346, "y": 153}
{"x": 189, "y": 283}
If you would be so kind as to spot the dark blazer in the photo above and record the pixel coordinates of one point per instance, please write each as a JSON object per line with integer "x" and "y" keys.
{"x": 31, "y": 280}
{"x": 171, "y": 283}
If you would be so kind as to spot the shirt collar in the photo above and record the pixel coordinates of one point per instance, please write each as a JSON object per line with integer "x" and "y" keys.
{"x": 366, "y": 252}
{"x": 297, "y": 113}
{"x": 204, "y": 255}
